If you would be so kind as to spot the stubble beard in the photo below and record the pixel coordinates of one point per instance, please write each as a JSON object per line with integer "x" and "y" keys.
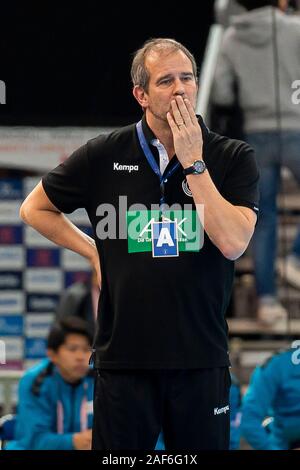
{"x": 162, "y": 117}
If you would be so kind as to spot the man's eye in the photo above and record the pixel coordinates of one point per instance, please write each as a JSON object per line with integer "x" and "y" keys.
{"x": 165, "y": 82}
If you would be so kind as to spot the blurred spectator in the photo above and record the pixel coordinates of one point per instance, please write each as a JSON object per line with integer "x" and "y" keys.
{"x": 274, "y": 391}
{"x": 80, "y": 300}
{"x": 55, "y": 396}
{"x": 247, "y": 63}
{"x": 235, "y": 413}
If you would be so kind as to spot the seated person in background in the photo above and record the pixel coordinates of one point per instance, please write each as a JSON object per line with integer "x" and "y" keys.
{"x": 235, "y": 399}
{"x": 56, "y": 396}
{"x": 274, "y": 391}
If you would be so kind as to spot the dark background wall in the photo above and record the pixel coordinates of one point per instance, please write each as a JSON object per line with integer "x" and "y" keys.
{"x": 69, "y": 64}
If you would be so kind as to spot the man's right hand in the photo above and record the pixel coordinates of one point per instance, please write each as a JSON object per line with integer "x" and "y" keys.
{"x": 83, "y": 440}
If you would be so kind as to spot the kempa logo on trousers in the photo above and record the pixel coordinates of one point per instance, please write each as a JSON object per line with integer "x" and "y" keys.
{"x": 218, "y": 411}
{"x": 128, "y": 168}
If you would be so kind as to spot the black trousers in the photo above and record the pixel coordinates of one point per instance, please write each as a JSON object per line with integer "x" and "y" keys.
{"x": 190, "y": 406}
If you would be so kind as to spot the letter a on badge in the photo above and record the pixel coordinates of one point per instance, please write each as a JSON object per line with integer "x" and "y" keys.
{"x": 164, "y": 239}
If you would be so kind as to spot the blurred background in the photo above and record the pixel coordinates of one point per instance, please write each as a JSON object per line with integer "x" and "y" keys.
{"x": 71, "y": 65}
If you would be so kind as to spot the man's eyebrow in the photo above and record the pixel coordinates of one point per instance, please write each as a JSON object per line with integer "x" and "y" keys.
{"x": 164, "y": 77}
{"x": 187, "y": 75}
{"x": 169, "y": 75}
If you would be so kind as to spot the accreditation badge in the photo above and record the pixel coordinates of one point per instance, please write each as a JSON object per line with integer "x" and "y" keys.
{"x": 164, "y": 239}
{"x": 190, "y": 232}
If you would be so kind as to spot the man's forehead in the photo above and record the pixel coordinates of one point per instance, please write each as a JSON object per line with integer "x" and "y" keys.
{"x": 162, "y": 61}
{"x": 158, "y": 55}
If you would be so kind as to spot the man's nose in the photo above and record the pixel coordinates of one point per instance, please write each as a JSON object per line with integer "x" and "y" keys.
{"x": 179, "y": 87}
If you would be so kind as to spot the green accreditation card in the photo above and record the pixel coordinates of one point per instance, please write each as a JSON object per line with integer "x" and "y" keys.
{"x": 139, "y": 229}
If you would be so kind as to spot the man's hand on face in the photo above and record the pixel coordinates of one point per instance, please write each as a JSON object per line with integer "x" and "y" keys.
{"x": 187, "y": 134}
{"x": 83, "y": 440}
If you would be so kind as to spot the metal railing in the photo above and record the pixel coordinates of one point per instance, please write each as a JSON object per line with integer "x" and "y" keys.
{"x": 208, "y": 70}
{"x": 223, "y": 10}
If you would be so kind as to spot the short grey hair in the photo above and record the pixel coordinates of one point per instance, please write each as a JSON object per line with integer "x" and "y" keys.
{"x": 139, "y": 72}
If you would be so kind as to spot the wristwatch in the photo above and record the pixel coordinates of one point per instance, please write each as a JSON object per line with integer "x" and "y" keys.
{"x": 197, "y": 168}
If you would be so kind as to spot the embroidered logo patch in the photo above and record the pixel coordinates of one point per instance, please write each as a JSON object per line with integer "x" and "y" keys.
{"x": 219, "y": 411}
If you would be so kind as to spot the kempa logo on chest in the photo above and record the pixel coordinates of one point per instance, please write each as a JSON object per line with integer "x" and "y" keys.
{"x": 129, "y": 168}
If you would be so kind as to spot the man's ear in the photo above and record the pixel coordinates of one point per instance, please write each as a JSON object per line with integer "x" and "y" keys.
{"x": 140, "y": 95}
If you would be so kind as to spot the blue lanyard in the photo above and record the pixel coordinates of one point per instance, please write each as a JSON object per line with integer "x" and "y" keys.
{"x": 152, "y": 162}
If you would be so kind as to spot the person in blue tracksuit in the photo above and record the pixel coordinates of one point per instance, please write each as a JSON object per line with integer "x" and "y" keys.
{"x": 235, "y": 400}
{"x": 274, "y": 391}
{"x": 55, "y": 407}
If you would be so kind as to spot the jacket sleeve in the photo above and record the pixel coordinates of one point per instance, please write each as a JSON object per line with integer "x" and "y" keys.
{"x": 36, "y": 421}
{"x": 257, "y": 403}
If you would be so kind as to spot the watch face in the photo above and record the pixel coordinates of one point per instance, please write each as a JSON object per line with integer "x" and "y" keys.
{"x": 199, "y": 166}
